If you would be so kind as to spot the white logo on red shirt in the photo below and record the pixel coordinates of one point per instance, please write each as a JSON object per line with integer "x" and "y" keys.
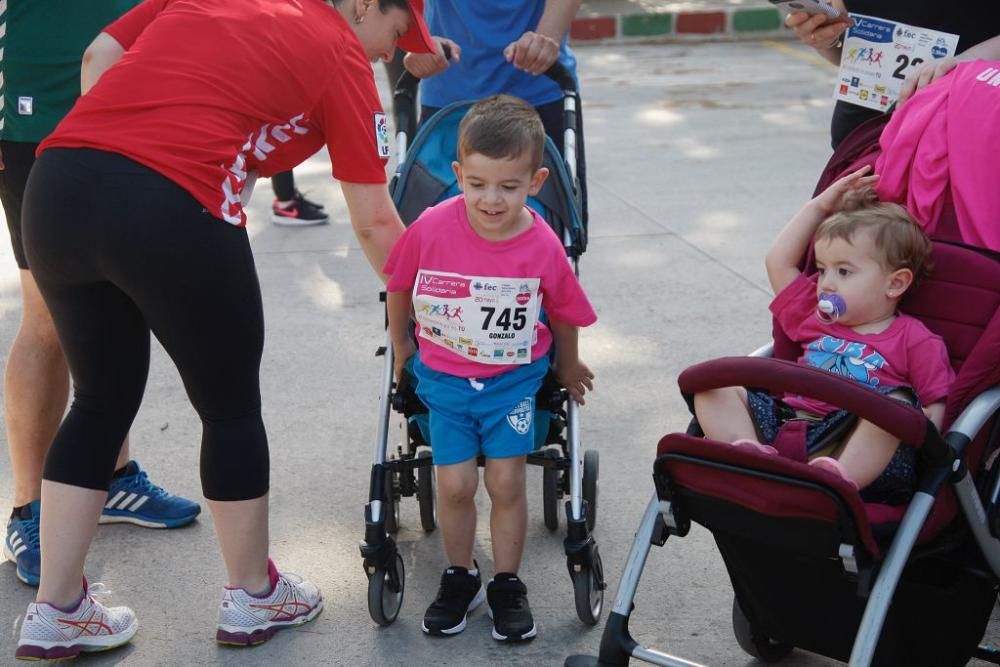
{"x": 258, "y": 142}
{"x": 381, "y": 135}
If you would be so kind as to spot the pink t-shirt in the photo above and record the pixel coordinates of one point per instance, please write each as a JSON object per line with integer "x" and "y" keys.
{"x": 442, "y": 240}
{"x": 906, "y": 354}
{"x": 942, "y": 145}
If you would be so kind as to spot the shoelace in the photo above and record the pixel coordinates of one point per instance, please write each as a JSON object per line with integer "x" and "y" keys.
{"x": 28, "y": 531}
{"x": 143, "y": 483}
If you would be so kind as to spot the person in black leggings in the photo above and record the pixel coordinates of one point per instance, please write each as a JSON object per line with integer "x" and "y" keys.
{"x": 134, "y": 282}
{"x": 134, "y": 224}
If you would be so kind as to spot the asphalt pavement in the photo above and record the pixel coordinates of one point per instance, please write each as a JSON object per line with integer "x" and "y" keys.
{"x": 697, "y": 154}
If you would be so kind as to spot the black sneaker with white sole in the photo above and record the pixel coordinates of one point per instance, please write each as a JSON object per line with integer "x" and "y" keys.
{"x": 459, "y": 595}
{"x": 508, "y": 601}
{"x": 298, "y": 212}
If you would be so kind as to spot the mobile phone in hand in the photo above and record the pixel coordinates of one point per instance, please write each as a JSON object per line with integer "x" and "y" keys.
{"x": 811, "y": 7}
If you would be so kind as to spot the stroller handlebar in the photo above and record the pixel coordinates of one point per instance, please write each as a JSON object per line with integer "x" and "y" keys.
{"x": 404, "y": 95}
{"x": 778, "y": 376}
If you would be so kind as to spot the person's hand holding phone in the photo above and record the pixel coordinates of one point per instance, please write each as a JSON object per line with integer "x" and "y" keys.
{"x": 818, "y": 31}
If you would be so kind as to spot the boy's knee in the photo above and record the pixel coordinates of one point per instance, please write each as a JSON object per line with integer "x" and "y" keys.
{"x": 506, "y": 485}
{"x": 455, "y": 490}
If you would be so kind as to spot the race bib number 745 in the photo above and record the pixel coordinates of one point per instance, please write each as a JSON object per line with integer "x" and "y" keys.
{"x": 486, "y": 319}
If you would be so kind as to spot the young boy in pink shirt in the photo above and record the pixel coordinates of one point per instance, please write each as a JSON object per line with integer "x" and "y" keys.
{"x": 475, "y": 271}
{"x": 868, "y": 254}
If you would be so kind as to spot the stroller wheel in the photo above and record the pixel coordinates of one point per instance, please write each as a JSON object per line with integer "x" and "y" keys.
{"x": 591, "y": 472}
{"x": 391, "y": 511}
{"x": 385, "y": 592}
{"x": 550, "y": 493}
{"x": 753, "y": 641}
{"x": 425, "y": 494}
{"x": 589, "y": 591}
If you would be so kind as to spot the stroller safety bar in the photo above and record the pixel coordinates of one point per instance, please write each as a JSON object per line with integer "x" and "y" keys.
{"x": 778, "y": 376}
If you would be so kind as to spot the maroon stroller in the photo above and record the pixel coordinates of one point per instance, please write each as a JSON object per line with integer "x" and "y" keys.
{"x": 813, "y": 566}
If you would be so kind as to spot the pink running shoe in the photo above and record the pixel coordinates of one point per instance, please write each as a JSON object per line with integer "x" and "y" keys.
{"x": 49, "y": 633}
{"x": 247, "y": 620}
{"x": 834, "y": 466}
{"x": 762, "y": 448}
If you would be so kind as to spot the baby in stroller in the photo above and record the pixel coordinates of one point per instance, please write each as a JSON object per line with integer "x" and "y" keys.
{"x": 845, "y": 319}
{"x": 475, "y": 270}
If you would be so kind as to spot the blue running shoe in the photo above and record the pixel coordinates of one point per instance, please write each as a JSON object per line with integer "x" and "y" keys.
{"x": 132, "y": 498}
{"x": 21, "y": 545}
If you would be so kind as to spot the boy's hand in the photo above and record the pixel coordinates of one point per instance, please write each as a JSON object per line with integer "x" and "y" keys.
{"x": 401, "y": 353}
{"x": 829, "y": 201}
{"x": 576, "y": 377}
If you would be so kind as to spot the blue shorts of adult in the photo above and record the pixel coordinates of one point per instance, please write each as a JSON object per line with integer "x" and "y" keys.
{"x": 493, "y": 416}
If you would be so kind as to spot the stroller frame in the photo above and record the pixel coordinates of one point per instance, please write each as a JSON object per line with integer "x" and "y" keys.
{"x": 979, "y": 507}
{"x": 567, "y": 469}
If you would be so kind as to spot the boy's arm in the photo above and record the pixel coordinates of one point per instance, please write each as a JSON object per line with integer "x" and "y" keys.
{"x": 398, "y": 306}
{"x": 790, "y": 245}
{"x": 570, "y": 371}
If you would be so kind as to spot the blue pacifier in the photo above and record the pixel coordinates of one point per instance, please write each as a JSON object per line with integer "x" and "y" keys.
{"x": 830, "y": 308}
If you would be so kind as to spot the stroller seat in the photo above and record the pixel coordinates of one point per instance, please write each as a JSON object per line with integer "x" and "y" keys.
{"x": 812, "y": 565}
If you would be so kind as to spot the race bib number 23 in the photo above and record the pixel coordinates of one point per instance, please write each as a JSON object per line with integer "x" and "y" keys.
{"x": 879, "y": 54}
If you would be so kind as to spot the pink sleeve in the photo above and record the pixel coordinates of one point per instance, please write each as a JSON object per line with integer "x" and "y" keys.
{"x": 563, "y": 298}
{"x": 794, "y": 304}
{"x": 404, "y": 261}
{"x": 930, "y": 372}
{"x": 131, "y": 24}
{"x": 353, "y": 124}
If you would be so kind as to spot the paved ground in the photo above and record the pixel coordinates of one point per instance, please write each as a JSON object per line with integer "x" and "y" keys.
{"x": 697, "y": 154}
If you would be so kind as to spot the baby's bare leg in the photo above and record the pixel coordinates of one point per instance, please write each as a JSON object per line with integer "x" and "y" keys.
{"x": 868, "y": 450}
{"x": 724, "y": 414}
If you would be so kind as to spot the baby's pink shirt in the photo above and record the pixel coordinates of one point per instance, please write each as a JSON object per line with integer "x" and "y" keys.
{"x": 906, "y": 354}
{"x": 442, "y": 239}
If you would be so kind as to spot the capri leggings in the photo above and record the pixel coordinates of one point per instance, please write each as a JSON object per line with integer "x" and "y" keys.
{"x": 118, "y": 251}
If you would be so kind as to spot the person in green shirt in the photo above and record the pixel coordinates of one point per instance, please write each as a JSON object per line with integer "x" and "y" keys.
{"x": 41, "y": 48}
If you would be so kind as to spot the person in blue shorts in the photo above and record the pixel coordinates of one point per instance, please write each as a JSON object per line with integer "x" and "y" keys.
{"x": 475, "y": 269}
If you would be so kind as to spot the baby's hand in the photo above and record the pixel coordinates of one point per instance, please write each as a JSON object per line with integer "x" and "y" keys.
{"x": 829, "y": 201}
{"x": 576, "y": 377}
{"x": 401, "y": 353}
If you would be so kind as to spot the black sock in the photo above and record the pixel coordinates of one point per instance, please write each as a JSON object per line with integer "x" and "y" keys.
{"x": 120, "y": 472}
{"x": 16, "y": 514}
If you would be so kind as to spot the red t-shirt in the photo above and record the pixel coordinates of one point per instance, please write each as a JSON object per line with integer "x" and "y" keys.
{"x": 209, "y": 89}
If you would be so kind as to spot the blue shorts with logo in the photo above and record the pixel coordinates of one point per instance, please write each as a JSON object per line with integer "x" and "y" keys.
{"x": 470, "y": 416}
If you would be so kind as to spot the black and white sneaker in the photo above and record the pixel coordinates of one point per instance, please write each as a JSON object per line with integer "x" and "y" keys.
{"x": 298, "y": 212}
{"x": 508, "y": 602}
{"x": 459, "y": 595}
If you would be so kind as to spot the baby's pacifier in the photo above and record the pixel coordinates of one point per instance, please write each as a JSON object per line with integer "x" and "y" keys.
{"x": 830, "y": 308}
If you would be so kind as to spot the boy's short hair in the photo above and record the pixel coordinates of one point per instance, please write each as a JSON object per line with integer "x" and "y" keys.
{"x": 502, "y": 127}
{"x": 901, "y": 242}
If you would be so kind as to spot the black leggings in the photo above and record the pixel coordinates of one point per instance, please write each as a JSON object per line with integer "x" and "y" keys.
{"x": 118, "y": 251}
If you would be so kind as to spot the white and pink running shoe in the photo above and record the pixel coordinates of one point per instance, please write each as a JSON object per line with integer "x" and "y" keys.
{"x": 247, "y": 620}
{"x": 49, "y": 633}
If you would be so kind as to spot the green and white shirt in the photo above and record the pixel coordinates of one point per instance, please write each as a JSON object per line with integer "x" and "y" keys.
{"x": 41, "y": 46}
